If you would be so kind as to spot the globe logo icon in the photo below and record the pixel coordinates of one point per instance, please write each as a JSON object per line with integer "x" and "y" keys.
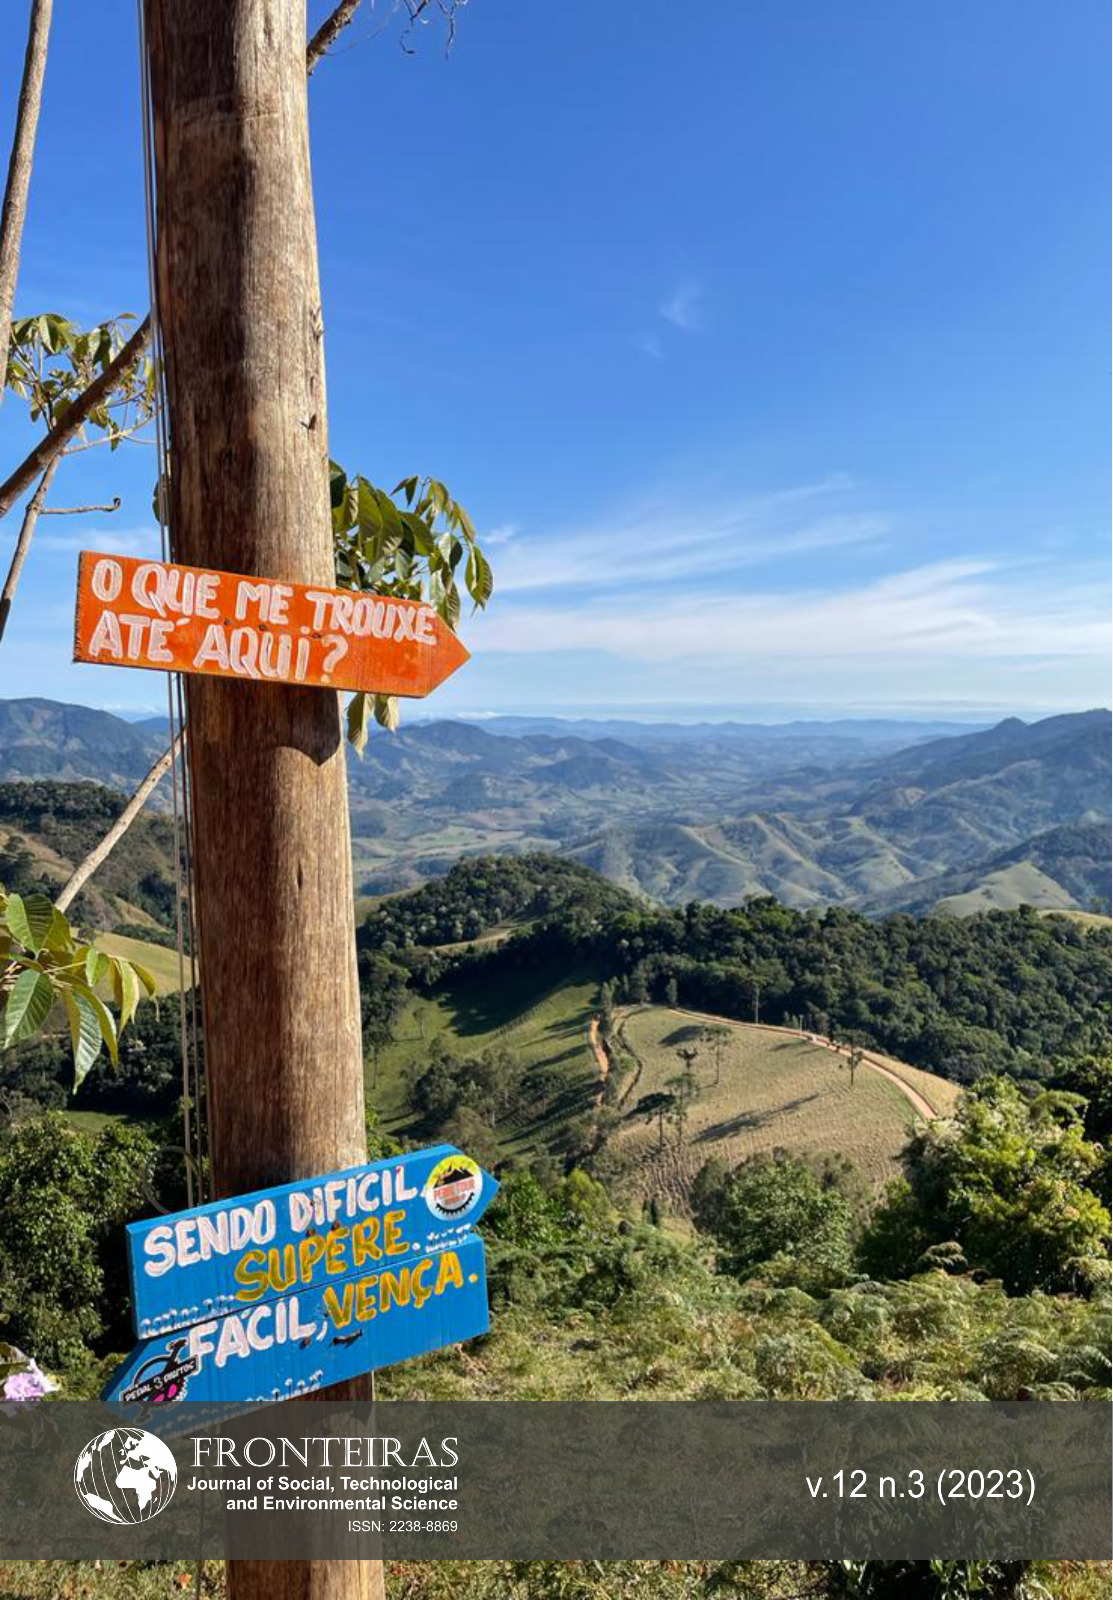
{"x": 125, "y": 1475}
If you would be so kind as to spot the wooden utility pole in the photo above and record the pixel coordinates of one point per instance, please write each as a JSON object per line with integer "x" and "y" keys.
{"x": 240, "y": 311}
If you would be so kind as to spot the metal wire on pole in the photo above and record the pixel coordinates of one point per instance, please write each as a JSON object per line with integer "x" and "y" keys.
{"x": 189, "y": 1024}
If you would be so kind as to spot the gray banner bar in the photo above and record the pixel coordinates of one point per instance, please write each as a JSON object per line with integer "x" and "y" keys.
{"x": 602, "y": 1480}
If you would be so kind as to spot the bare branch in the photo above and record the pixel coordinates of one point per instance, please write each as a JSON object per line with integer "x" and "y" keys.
{"x": 19, "y": 168}
{"x": 77, "y": 511}
{"x": 416, "y": 9}
{"x": 329, "y": 31}
{"x": 54, "y": 442}
{"x": 23, "y": 543}
{"x": 101, "y": 388}
{"x": 112, "y": 438}
{"x": 121, "y": 825}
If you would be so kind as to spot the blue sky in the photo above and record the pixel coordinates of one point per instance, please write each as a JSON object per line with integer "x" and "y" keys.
{"x": 766, "y": 341}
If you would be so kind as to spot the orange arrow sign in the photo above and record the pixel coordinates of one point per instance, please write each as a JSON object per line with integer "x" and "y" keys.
{"x": 133, "y": 613}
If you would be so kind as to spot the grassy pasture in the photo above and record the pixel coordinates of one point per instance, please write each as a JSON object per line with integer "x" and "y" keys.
{"x": 774, "y": 1090}
{"x": 160, "y": 962}
{"x": 541, "y": 1016}
{"x": 1087, "y": 919}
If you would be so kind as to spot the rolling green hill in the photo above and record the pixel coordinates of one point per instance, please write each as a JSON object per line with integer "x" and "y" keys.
{"x": 539, "y": 1018}
{"x": 767, "y": 1090}
{"x": 1063, "y": 869}
{"x": 46, "y": 739}
{"x": 802, "y": 861}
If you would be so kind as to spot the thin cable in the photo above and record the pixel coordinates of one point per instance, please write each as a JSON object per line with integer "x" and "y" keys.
{"x": 202, "y": 1097}
{"x": 182, "y": 809}
{"x": 188, "y": 1041}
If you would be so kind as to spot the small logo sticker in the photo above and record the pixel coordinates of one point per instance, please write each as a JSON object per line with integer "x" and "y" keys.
{"x": 454, "y": 1187}
{"x": 164, "y": 1377}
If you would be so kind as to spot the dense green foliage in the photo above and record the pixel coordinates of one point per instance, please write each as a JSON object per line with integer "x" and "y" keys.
{"x": 485, "y": 893}
{"x": 602, "y": 1580}
{"x": 780, "y": 1211}
{"x": 64, "y": 1199}
{"x": 1003, "y": 992}
{"x": 414, "y": 543}
{"x": 1009, "y": 1184}
{"x": 145, "y": 1082}
{"x": 1006, "y": 1188}
{"x": 588, "y": 1306}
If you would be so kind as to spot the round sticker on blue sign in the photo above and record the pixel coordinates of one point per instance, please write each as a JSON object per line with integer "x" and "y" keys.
{"x": 453, "y": 1187}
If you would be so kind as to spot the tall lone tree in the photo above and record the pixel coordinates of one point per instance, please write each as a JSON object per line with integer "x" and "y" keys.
{"x": 238, "y": 299}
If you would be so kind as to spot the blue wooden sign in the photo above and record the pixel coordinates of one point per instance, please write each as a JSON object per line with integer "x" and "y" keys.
{"x": 302, "y": 1342}
{"x": 281, "y": 1292}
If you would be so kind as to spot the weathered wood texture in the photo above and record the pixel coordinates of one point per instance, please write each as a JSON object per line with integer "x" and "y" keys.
{"x": 239, "y": 304}
{"x": 240, "y": 310}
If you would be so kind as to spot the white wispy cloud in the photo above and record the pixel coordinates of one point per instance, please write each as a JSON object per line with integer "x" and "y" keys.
{"x": 960, "y": 609}
{"x": 142, "y": 541}
{"x": 650, "y": 345}
{"x": 502, "y": 534}
{"x": 684, "y": 307}
{"x": 688, "y": 536}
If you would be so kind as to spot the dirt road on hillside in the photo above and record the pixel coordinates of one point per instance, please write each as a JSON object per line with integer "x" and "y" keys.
{"x": 916, "y": 1100}
{"x": 603, "y": 1060}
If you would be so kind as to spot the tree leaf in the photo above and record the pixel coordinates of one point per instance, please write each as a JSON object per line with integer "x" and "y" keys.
{"x": 97, "y": 966}
{"x": 370, "y": 517}
{"x": 359, "y": 722}
{"x": 85, "y": 1035}
{"x": 146, "y": 978}
{"x": 29, "y": 1003}
{"x": 60, "y": 939}
{"x": 449, "y": 607}
{"x": 386, "y": 712}
{"x": 479, "y": 577}
{"x": 105, "y": 1020}
{"x": 30, "y": 920}
{"x": 465, "y": 522}
{"x": 129, "y": 992}
{"x": 420, "y": 532}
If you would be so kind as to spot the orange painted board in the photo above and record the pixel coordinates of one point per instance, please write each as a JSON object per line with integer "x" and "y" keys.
{"x": 156, "y": 614}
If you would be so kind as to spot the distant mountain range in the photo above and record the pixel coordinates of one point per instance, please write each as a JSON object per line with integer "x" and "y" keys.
{"x": 881, "y": 815}
{"x": 45, "y": 739}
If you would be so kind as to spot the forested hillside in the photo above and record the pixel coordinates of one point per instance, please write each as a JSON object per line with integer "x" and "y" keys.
{"x": 999, "y": 992}
{"x": 48, "y": 828}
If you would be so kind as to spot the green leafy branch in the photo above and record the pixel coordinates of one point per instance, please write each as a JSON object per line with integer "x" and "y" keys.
{"x": 52, "y": 363}
{"x": 44, "y": 962}
{"x": 415, "y": 543}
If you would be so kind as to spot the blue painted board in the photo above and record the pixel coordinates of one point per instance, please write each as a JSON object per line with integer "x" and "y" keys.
{"x": 280, "y": 1348}
{"x": 255, "y": 1248}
